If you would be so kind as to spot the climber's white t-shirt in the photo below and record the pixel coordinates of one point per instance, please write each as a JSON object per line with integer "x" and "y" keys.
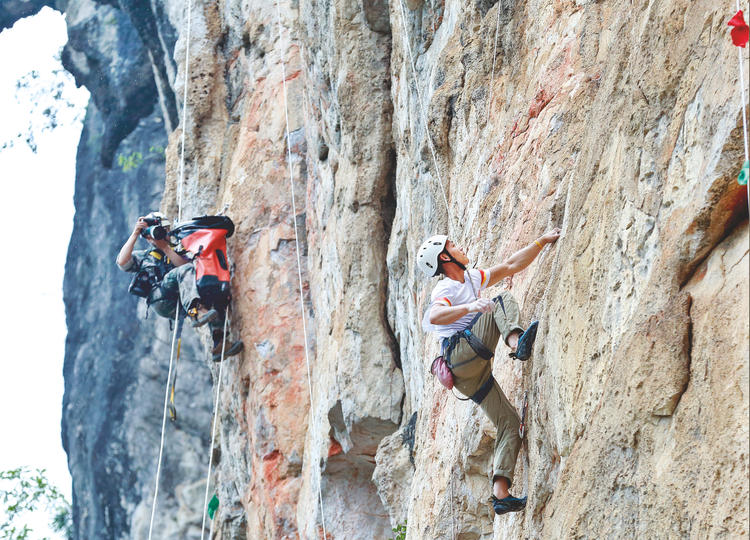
{"x": 454, "y": 293}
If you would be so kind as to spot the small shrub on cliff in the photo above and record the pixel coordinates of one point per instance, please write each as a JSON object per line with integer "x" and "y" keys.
{"x": 400, "y": 531}
{"x": 22, "y": 492}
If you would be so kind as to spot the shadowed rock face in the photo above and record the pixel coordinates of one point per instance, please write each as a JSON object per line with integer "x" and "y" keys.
{"x": 105, "y": 54}
{"x": 116, "y": 362}
{"x": 618, "y": 122}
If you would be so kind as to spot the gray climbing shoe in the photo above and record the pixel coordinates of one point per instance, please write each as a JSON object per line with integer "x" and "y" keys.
{"x": 231, "y": 349}
{"x": 202, "y": 317}
{"x": 508, "y": 504}
{"x": 526, "y": 342}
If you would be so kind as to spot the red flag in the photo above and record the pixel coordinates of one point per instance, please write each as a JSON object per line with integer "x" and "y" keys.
{"x": 740, "y": 32}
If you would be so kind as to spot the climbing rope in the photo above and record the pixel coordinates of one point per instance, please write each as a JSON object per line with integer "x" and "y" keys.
{"x": 424, "y": 117}
{"x": 184, "y": 112}
{"x": 213, "y": 427}
{"x": 296, "y": 242}
{"x": 744, "y": 112}
{"x": 742, "y": 89}
{"x": 177, "y": 315}
{"x": 164, "y": 422}
{"x": 437, "y": 169}
{"x": 489, "y": 107}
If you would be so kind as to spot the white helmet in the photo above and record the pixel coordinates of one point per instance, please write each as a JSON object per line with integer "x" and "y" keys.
{"x": 427, "y": 256}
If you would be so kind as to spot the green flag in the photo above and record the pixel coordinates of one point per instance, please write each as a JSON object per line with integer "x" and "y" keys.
{"x": 213, "y": 504}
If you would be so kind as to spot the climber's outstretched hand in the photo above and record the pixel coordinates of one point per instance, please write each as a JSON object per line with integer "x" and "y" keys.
{"x": 551, "y": 236}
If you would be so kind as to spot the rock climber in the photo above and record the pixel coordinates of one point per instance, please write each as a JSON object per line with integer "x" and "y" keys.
{"x": 165, "y": 275}
{"x": 457, "y": 306}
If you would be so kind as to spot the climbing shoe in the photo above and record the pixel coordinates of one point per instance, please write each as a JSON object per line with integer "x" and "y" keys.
{"x": 526, "y": 342}
{"x": 201, "y": 316}
{"x": 508, "y": 504}
{"x": 231, "y": 349}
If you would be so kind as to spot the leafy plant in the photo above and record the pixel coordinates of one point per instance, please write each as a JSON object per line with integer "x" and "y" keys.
{"x": 400, "y": 531}
{"x": 28, "y": 492}
{"x": 130, "y": 162}
{"x": 159, "y": 150}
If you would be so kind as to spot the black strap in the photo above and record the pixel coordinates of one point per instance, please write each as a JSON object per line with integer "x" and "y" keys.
{"x": 477, "y": 346}
{"x": 499, "y": 298}
{"x": 474, "y": 342}
{"x": 478, "y": 396}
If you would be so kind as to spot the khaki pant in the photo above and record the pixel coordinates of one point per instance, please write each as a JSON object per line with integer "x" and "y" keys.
{"x": 179, "y": 283}
{"x": 470, "y": 372}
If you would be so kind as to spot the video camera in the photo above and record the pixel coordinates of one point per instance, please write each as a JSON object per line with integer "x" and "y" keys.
{"x": 155, "y": 229}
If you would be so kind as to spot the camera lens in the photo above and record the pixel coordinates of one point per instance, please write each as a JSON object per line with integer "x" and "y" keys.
{"x": 157, "y": 232}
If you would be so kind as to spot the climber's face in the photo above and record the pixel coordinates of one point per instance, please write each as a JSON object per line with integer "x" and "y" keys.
{"x": 457, "y": 252}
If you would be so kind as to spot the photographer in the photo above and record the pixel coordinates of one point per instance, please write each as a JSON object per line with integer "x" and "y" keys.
{"x": 164, "y": 276}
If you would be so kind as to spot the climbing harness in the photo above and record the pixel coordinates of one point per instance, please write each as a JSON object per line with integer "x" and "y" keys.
{"x": 297, "y": 250}
{"x": 150, "y": 274}
{"x": 442, "y": 367}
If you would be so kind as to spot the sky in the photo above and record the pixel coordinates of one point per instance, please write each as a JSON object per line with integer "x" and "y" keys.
{"x": 37, "y": 195}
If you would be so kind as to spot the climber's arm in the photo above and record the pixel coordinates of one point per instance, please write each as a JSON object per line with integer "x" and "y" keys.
{"x": 440, "y": 314}
{"x": 123, "y": 258}
{"x": 521, "y": 258}
{"x": 175, "y": 259}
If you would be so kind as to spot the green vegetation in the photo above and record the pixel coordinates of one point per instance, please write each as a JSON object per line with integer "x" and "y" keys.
{"x": 130, "y": 162}
{"x": 400, "y": 531}
{"x": 22, "y": 492}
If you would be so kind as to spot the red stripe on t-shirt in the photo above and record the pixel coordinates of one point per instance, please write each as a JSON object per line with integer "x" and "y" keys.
{"x": 443, "y": 299}
{"x": 484, "y": 277}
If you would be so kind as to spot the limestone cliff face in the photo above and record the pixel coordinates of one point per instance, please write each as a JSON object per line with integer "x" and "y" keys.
{"x": 618, "y": 122}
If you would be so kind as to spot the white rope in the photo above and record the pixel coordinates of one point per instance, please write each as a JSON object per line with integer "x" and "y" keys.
{"x": 184, "y": 113}
{"x": 177, "y": 315}
{"x": 164, "y": 421}
{"x": 424, "y": 116}
{"x": 742, "y": 88}
{"x": 744, "y": 113}
{"x": 296, "y": 242}
{"x": 489, "y": 108}
{"x": 213, "y": 427}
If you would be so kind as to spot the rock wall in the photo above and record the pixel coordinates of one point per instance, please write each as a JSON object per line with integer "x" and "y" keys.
{"x": 618, "y": 122}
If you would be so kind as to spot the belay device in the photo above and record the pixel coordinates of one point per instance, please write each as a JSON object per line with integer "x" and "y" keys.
{"x": 205, "y": 237}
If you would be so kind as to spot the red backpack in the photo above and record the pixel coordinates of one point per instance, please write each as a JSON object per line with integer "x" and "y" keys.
{"x": 206, "y": 237}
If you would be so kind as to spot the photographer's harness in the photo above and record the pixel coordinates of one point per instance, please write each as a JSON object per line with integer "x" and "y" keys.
{"x": 145, "y": 282}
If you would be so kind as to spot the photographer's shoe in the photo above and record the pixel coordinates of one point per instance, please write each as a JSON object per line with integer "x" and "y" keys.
{"x": 201, "y": 316}
{"x": 508, "y": 504}
{"x": 526, "y": 343}
{"x": 232, "y": 349}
